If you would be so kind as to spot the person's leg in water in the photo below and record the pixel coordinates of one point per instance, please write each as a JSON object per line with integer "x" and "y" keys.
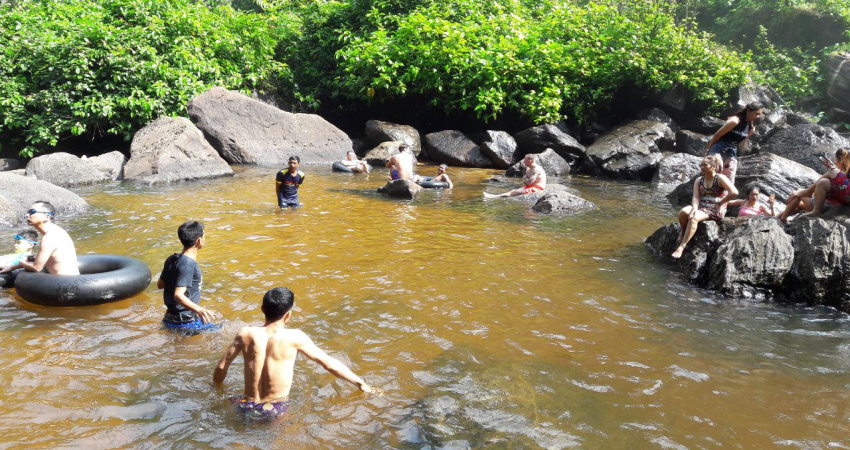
{"x": 513, "y": 193}
{"x": 821, "y": 192}
{"x": 695, "y": 217}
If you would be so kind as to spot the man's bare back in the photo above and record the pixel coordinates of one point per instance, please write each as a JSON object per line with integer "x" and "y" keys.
{"x": 403, "y": 163}
{"x": 270, "y": 351}
{"x": 57, "y": 249}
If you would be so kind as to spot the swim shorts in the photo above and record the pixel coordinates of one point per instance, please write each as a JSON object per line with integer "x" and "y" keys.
{"x": 192, "y": 327}
{"x": 533, "y": 188}
{"x": 394, "y": 174}
{"x": 267, "y": 410}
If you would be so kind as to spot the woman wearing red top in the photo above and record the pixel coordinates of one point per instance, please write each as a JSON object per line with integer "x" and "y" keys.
{"x": 833, "y": 186}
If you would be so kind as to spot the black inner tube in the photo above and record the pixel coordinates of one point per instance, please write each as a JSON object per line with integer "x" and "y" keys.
{"x": 429, "y": 183}
{"x": 102, "y": 279}
{"x": 340, "y": 167}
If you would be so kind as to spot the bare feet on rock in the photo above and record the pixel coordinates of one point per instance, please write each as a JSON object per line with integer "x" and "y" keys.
{"x": 678, "y": 253}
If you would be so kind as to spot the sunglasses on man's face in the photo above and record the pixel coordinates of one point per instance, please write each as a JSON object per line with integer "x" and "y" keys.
{"x": 35, "y": 211}
{"x": 18, "y": 237}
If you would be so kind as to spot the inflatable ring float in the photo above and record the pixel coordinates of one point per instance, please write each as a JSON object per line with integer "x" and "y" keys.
{"x": 340, "y": 167}
{"x": 429, "y": 183}
{"x": 102, "y": 279}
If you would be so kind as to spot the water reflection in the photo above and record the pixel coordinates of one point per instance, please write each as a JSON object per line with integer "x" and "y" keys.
{"x": 485, "y": 325}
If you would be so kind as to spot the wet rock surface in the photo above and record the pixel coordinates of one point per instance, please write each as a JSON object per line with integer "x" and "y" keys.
{"x": 692, "y": 143}
{"x": 539, "y": 139}
{"x": 378, "y": 132}
{"x": 631, "y": 151}
{"x": 18, "y": 193}
{"x": 551, "y": 162}
{"x": 172, "y": 149}
{"x": 804, "y": 143}
{"x": 64, "y": 169}
{"x": 400, "y": 189}
{"x": 560, "y": 201}
{"x": 677, "y": 168}
{"x": 455, "y": 148}
{"x": 248, "y": 131}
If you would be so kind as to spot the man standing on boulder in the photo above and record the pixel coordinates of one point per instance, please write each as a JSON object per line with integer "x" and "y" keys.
{"x": 401, "y": 165}
{"x": 287, "y": 183}
{"x": 57, "y": 253}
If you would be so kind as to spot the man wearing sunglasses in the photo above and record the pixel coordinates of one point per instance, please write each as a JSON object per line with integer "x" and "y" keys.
{"x": 56, "y": 253}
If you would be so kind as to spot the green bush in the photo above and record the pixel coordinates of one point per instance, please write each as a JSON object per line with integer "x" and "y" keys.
{"x": 73, "y": 67}
{"x": 552, "y": 61}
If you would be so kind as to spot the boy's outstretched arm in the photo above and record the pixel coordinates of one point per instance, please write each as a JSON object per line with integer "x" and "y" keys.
{"x": 234, "y": 349}
{"x": 331, "y": 364}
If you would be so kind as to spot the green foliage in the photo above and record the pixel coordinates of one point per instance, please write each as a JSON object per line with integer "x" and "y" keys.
{"x": 73, "y": 67}
{"x": 555, "y": 60}
{"x": 794, "y": 73}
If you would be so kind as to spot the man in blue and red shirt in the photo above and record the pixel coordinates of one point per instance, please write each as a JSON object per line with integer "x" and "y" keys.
{"x": 287, "y": 182}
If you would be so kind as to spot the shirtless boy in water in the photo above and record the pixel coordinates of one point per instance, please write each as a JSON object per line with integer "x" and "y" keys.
{"x": 57, "y": 253}
{"x": 402, "y": 163}
{"x": 269, "y": 352}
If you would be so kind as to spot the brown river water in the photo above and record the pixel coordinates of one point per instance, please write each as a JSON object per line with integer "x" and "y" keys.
{"x": 486, "y": 326}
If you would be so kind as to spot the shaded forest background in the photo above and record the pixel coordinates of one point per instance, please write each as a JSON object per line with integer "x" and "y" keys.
{"x": 87, "y": 74}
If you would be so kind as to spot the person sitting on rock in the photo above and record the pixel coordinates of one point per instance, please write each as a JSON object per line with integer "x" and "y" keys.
{"x": 401, "y": 165}
{"x": 534, "y": 179}
{"x": 287, "y": 183}
{"x": 711, "y": 191}
{"x": 57, "y": 253}
{"x": 25, "y": 241}
{"x": 751, "y": 206}
{"x": 355, "y": 164}
{"x": 833, "y": 188}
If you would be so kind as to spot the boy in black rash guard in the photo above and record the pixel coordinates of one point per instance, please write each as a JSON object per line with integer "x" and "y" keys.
{"x": 287, "y": 182}
{"x": 181, "y": 281}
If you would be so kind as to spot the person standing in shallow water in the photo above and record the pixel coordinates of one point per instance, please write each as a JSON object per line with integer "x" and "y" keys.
{"x": 725, "y": 142}
{"x": 269, "y": 352}
{"x": 534, "y": 179}
{"x": 181, "y": 281}
{"x": 287, "y": 183}
{"x": 711, "y": 191}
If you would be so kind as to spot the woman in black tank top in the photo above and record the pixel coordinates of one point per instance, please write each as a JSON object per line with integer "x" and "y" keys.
{"x": 737, "y": 129}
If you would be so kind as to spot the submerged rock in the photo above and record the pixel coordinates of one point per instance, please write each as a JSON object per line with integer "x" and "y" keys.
{"x": 631, "y": 151}
{"x": 804, "y": 143}
{"x": 561, "y": 202}
{"x": 248, "y": 131}
{"x": 455, "y": 148}
{"x": 18, "y": 193}
{"x": 172, "y": 149}
{"x": 400, "y": 189}
{"x": 501, "y": 148}
{"x": 64, "y": 169}
{"x": 378, "y": 132}
{"x": 551, "y": 162}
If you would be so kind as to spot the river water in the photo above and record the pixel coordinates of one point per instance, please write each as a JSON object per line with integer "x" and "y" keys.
{"x": 485, "y": 325}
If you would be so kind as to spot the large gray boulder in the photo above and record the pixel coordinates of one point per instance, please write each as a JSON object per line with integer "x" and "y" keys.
{"x": 378, "y": 132}
{"x": 558, "y": 201}
{"x": 18, "y": 193}
{"x": 821, "y": 272}
{"x": 455, "y": 148}
{"x": 631, "y": 151}
{"x": 172, "y": 149}
{"x": 9, "y": 164}
{"x": 539, "y": 139}
{"x": 692, "y": 143}
{"x": 501, "y": 148}
{"x": 695, "y": 260}
{"x": 379, "y": 155}
{"x": 804, "y": 143}
{"x": 657, "y": 115}
{"x": 64, "y": 169}
{"x": 755, "y": 256}
{"x": 247, "y": 131}
{"x": 551, "y": 188}
{"x": 400, "y": 189}
{"x": 704, "y": 125}
{"x": 838, "y": 81}
{"x": 551, "y": 162}
{"x": 111, "y": 164}
{"x": 677, "y": 168}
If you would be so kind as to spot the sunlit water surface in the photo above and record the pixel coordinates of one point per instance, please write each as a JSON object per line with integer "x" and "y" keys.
{"x": 486, "y": 325}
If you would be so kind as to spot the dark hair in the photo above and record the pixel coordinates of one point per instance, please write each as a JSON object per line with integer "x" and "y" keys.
{"x": 295, "y": 158}
{"x": 403, "y": 147}
{"x": 29, "y": 234}
{"x": 751, "y": 106}
{"x": 277, "y": 302}
{"x": 190, "y": 232}
{"x": 49, "y": 209}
